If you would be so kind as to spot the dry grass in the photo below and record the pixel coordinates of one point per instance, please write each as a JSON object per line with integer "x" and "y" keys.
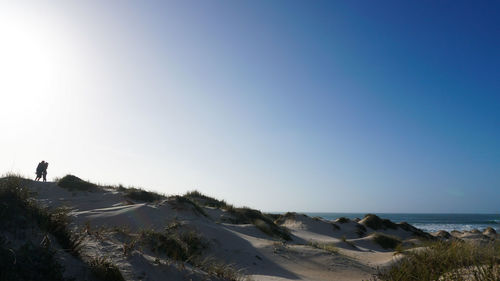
{"x": 221, "y": 270}
{"x": 329, "y": 247}
{"x": 176, "y": 244}
{"x": 450, "y": 261}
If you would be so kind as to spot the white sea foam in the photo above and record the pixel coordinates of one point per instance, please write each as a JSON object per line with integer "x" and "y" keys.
{"x": 433, "y": 227}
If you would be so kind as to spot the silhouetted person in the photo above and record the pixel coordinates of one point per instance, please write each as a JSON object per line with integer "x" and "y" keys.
{"x": 44, "y": 171}
{"x": 39, "y": 170}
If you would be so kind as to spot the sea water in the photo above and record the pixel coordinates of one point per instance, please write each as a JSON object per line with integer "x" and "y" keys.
{"x": 430, "y": 222}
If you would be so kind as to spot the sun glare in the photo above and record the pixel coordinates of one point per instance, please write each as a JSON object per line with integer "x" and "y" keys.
{"x": 31, "y": 59}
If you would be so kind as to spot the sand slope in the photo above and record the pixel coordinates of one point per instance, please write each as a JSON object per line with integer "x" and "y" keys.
{"x": 101, "y": 213}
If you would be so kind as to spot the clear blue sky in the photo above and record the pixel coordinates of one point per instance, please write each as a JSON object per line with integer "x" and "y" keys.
{"x": 354, "y": 106}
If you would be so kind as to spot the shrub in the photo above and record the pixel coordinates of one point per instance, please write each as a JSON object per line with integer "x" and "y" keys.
{"x": 72, "y": 183}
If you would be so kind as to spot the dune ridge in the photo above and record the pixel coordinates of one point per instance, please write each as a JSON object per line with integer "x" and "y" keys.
{"x": 149, "y": 236}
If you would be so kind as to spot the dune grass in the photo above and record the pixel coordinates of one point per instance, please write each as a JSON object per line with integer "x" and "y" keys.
{"x": 342, "y": 220}
{"x": 243, "y": 215}
{"x": 329, "y": 247}
{"x": 450, "y": 261}
{"x": 386, "y": 241}
{"x": 182, "y": 200}
{"x": 37, "y": 262}
{"x": 28, "y": 262}
{"x": 206, "y": 201}
{"x": 178, "y": 245}
{"x": 74, "y": 183}
{"x": 19, "y": 210}
{"x": 361, "y": 230}
{"x": 376, "y": 223}
{"x": 261, "y": 221}
{"x": 140, "y": 194}
{"x": 221, "y": 270}
{"x": 105, "y": 270}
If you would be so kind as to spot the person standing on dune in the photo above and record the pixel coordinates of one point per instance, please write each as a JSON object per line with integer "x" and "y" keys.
{"x": 44, "y": 171}
{"x": 39, "y": 170}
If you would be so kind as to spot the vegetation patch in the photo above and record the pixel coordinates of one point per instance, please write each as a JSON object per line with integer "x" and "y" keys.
{"x": 329, "y": 247}
{"x": 181, "y": 200}
{"x": 261, "y": 221}
{"x": 342, "y": 220}
{"x": 287, "y": 216}
{"x": 178, "y": 245}
{"x": 19, "y": 211}
{"x": 105, "y": 270}
{"x": 74, "y": 183}
{"x": 29, "y": 262}
{"x": 376, "y": 223}
{"x": 221, "y": 270}
{"x": 450, "y": 261}
{"x": 386, "y": 241}
{"x": 139, "y": 194}
{"x": 20, "y": 214}
{"x": 206, "y": 201}
{"x": 360, "y": 230}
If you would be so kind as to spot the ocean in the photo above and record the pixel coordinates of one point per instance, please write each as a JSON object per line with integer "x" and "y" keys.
{"x": 430, "y": 222}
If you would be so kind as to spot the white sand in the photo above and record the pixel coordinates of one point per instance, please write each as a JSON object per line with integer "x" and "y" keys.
{"x": 258, "y": 255}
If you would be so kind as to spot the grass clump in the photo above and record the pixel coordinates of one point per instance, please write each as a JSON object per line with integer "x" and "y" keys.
{"x": 450, "y": 261}
{"x": 105, "y": 270}
{"x": 206, "y": 201}
{"x": 261, "y": 221}
{"x": 74, "y": 183}
{"x": 221, "y": 270}
{"x": 178, "y": 245}
{"x": 376, "y": 223}
{"x": 329, "y": 247}
{"x": 29, "y": 262}
{"x": 19, "y": 210}
{"x": 342, "y": 220}
{"x": 181, "y": 200}
{"x": 139, "y": 194}
{"x": 386, "y": 241}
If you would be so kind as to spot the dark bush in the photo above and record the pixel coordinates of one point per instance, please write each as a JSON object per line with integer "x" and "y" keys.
{"x": 142, "y": 195}
{"x": 29, "y": 262}
{"x": 74, "y": 183}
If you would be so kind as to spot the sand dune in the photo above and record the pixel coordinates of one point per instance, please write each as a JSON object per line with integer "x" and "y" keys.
{"x": 318, "y": 249}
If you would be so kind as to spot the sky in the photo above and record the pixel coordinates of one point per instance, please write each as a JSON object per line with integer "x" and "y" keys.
{"x": 308, "y": 106}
